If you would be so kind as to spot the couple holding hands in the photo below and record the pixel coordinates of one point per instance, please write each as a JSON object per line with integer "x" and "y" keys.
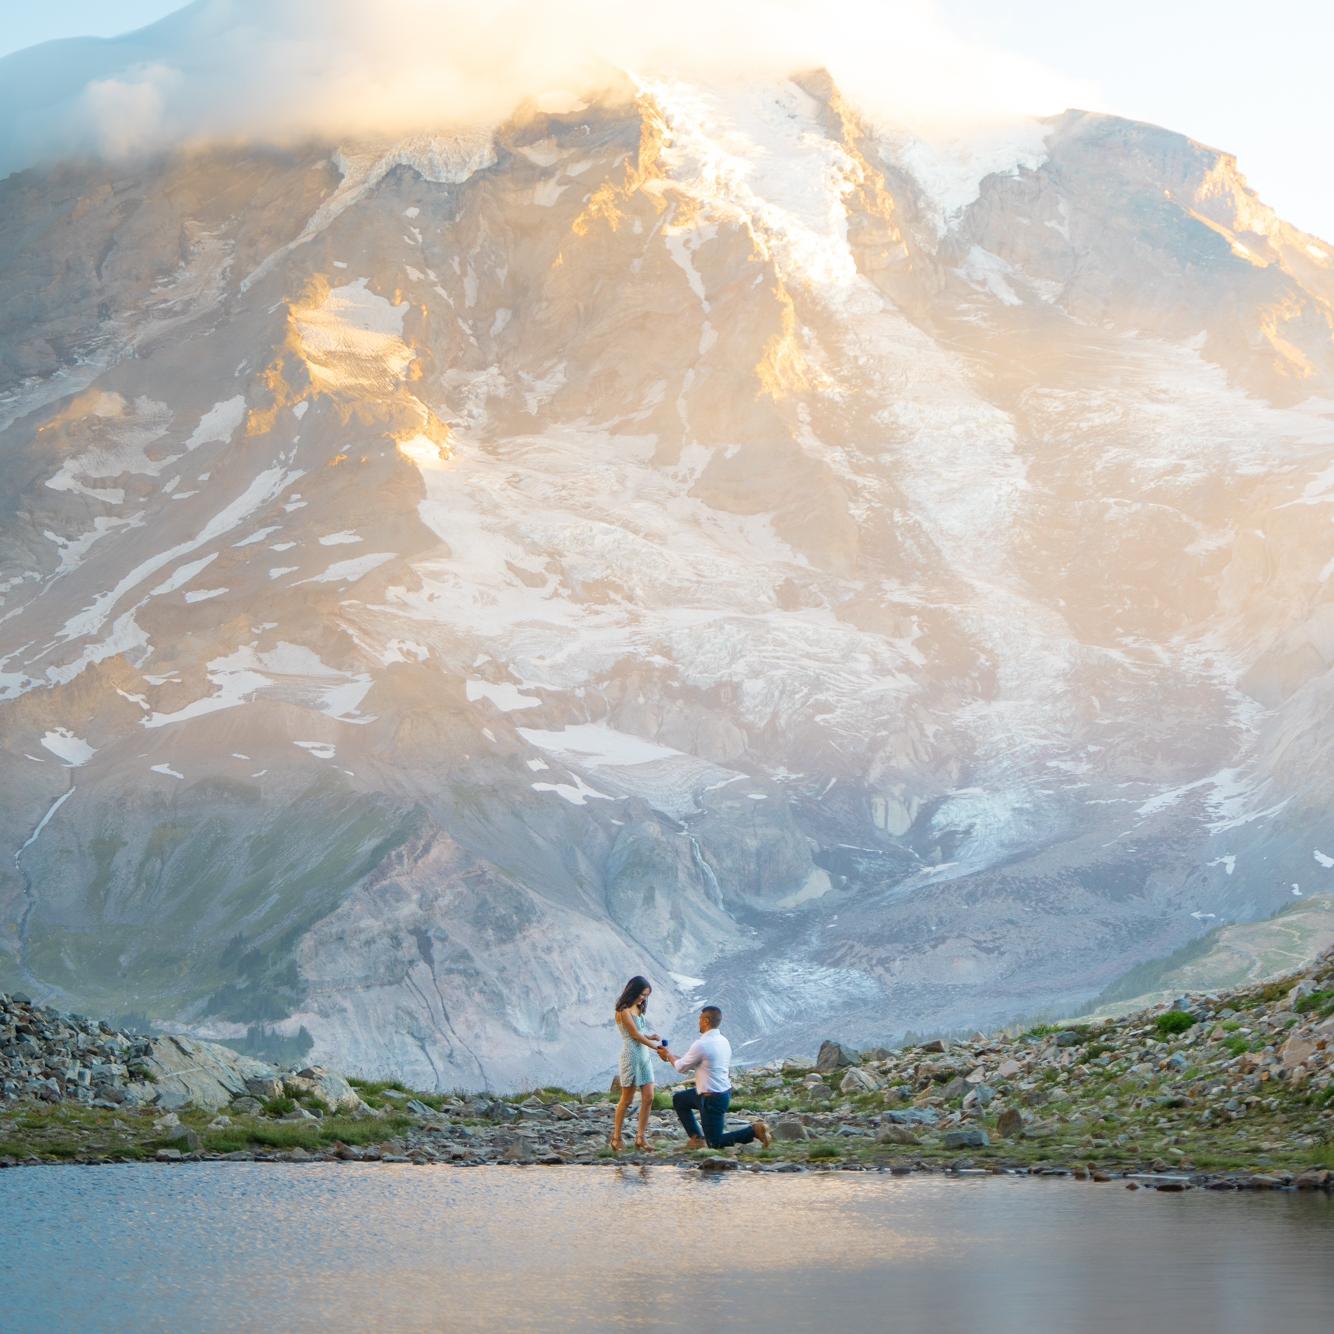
{"x": 709, "y": 1056}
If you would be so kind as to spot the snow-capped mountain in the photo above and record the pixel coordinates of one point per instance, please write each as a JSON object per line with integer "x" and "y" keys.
{"x": 879, "y": 584}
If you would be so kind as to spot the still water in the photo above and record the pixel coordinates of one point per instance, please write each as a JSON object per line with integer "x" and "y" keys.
{"x": 240, "y": 1246}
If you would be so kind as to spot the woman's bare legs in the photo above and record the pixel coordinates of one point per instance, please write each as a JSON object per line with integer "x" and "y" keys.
{"x": 618, "y": 1121}
{"x": 645, "y": 1107}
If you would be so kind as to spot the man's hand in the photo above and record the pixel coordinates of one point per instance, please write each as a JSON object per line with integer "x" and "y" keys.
{"x": 665, "y": 1054}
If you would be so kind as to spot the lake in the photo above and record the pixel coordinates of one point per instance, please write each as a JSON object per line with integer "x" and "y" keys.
{"x": 237, "y": 1246}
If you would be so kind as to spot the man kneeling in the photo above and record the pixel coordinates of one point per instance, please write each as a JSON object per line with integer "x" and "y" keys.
{"x": 710, "y": 1057}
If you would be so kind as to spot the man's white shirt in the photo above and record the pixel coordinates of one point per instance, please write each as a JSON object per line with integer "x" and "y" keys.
{"x": 710, "y": 1057}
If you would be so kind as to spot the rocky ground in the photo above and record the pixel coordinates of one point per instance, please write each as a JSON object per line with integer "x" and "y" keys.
{"x": 1217, "y": 1091}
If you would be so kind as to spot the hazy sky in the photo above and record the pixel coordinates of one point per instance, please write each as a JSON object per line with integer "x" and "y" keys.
{"x": 1251, "y": 80}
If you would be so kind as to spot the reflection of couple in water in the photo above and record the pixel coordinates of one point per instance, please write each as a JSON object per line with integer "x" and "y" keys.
{"x": 709, "y": 1056}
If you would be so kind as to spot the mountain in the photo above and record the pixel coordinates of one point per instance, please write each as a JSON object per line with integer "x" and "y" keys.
{"x": 875, "y": 583}
{"x": 1239, "y": 954}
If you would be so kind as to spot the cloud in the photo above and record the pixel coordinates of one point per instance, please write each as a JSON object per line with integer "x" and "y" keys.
{"x": 276, "y": 71}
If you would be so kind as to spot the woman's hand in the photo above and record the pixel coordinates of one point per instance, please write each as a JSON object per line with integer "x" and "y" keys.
{"x": 653, "y": 1037}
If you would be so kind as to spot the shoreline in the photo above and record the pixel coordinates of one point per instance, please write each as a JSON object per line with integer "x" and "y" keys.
{"x": 1134, "y": 1178}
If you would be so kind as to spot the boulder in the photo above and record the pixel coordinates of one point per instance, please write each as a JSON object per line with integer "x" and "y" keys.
{"x": 910, "y": 1116}
{"x": 834, "y": 1056}
{"x": 892, "y": 1134}
{"x": 719, "y": 1165}
{"x": 790, "y": 1128}
{"x": 1010, "y": 1123}
{"x": 204, "y": 1074}
{"x": 858, "y": 1081}
{"x": 333, "y": 1089}
{"x": 183, "y": 1138}
{"x": 1296, "y": 1051}
{"x": 965, "y": 1139}
{"x": 979, "y": 1097}
{"x": 1313, "y": 1179}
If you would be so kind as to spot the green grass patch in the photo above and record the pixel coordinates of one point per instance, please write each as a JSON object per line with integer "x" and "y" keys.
{"x": 1174, "y": 1021}
{"x": 1319, "y": 1003}
{"x": 308, "y": 1135}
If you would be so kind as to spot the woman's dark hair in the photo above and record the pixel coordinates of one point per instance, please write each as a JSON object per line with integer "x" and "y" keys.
{"x": 634, "y": 989}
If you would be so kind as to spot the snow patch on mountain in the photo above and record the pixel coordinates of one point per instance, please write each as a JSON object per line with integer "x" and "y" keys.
{"x": 950, "y": 169}
{"x": 219, "y": 423}
{"x": 505, "y": 695}
{"x": 71, "y": 750}
{"x": 286, "y": 671}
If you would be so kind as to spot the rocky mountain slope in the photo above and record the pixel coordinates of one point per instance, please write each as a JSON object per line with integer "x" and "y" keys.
{"x": 707, "y": 532}
{"x": 1237, "y": 955}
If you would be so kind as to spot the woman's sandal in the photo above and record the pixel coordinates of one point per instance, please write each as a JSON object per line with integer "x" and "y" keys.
{"x": 644, "y": 1146}
{"x": 615, "y": 1145}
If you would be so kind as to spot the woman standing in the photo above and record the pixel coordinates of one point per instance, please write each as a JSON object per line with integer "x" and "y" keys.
{"x": 638, "y": 1046}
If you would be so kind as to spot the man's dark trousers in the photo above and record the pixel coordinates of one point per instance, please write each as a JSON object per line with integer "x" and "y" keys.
{"x": 712, "y": 1108}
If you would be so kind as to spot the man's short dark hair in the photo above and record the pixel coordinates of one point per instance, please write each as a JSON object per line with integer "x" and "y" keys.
{"x": 713, "y": 1014}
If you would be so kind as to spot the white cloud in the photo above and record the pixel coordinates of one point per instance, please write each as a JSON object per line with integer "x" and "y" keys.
{"x": 280, "y": 70}
{"x": 127, "y": 115}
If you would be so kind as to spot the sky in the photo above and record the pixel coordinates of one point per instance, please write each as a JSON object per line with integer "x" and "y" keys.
{"x": 1251, "y": 81}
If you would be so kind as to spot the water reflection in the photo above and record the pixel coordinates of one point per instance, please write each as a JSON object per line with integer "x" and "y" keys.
{"x": 231, "y": 1246}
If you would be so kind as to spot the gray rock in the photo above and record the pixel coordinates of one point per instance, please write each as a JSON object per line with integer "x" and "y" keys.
{"x": 892, "y": 1134}
{"x": 834, "y": 1056}
{"x": 1010, "y": 1123}
{"x": 979, "y": 1097}
{"x": 965, "y": 1139}
{"x": 203, "y": 1074}
{"x": 858, "y": 1081}
{"x": 1067, "y": 1038}
{"x": 718, "y": 1165}
{"x": 790, "y": 1128}
{"x": 910, "y": 1116}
